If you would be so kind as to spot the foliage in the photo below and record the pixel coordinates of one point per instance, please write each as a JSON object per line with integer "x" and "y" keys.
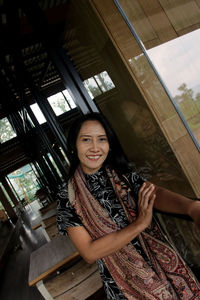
{"x": 6, "y": 131}
{"x": 189, "y": 105}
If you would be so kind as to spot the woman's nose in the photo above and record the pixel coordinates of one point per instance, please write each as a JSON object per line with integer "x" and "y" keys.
{"x": 94, "y": 146}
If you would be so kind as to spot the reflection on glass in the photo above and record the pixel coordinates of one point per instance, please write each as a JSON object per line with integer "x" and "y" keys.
{"x": 159, "y": 163}
{"x": 92, "y": 87}
{"x": 98, "y": 84}
{"x": 104, "y": 81}
{"x": 6, "y": 131}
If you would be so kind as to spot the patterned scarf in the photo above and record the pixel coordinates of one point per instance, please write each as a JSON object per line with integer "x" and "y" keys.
{"x": 167, "y": 278}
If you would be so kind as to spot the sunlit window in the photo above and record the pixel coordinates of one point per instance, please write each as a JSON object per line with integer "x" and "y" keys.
{"x": 69, "y": 99}
{"x": 24, "y": 182}
{"x": 38, "y": 113}
{"x": 104, "y": 81}
{"x": 98, "y": 84}
{"x": 6, "y": 131}
{"x": 92, "y": 87}
{"x": 58, "y": 104}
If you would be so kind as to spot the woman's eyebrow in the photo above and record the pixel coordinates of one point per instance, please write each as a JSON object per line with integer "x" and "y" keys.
{"x": 88, "y": 135}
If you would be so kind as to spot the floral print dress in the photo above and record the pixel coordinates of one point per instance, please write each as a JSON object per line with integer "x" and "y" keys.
{"x": 101, "y": 188}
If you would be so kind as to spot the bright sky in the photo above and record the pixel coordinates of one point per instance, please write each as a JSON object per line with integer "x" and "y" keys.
{"x": 178, "y": 61}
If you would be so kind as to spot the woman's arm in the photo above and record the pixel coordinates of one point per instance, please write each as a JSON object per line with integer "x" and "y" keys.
{"x": 91, "y": 250}
{"x": 171, "y": 202}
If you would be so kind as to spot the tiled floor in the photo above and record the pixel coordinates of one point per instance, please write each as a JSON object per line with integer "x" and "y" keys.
{"x": 14, "y": 277}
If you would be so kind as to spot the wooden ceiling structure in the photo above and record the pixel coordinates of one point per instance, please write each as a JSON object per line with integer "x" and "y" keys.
{"x": 33, "y": 66}
{"x": 22, "y": 48}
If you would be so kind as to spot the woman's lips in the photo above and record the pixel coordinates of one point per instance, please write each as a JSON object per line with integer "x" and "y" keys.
{"x": 93, "y": 157}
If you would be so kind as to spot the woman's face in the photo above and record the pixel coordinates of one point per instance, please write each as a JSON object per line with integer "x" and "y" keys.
{"x": 92, "y": 146}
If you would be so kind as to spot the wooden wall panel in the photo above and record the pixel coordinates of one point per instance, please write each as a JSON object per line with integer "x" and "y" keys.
{"x": 189, "y": 158}
{"x": 159, "y": 20}
{"x": 181, "y": 13}
{"x": 137, "y": 17}
{"x": 198, "y": 3}
{"x": 174, "y": 129}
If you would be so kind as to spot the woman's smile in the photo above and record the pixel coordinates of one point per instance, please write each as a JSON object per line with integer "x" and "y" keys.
{"x": 93, "y": 157}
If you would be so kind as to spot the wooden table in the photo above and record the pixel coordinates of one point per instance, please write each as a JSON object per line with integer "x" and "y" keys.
{"x": 49, "y": 258}
{"x": 44, "y": 221}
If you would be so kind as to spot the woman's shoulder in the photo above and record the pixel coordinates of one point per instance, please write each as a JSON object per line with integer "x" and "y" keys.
{"x": 134, "y": 179}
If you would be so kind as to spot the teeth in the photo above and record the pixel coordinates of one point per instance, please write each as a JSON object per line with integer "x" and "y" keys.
{"x": 94, "y": 157}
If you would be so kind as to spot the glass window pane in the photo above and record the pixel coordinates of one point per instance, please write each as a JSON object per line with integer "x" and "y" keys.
{"x": 6, "y": 131}
{"x": 69, "y": 99}
{"x": 38, "y": 113}
{"x": 58, "y": 104}
{"x": 104, "y": 81}
{"x": 170, "y": 38}
{"x": 92, "y": 87}
{"x": 24, "y": 182}
{"x": 178, "y": 62}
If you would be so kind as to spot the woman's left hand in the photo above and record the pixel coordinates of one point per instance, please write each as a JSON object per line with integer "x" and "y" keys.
{"x": 194, "y": 212}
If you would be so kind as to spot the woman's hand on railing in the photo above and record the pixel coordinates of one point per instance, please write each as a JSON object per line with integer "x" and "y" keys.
{"x": 194, "y": 212}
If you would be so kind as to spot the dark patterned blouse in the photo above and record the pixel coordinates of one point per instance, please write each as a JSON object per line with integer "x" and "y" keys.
{"x": 101, "y": 188}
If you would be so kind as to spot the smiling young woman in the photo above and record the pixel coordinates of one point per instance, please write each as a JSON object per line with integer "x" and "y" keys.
{"x": 107, "y": 211}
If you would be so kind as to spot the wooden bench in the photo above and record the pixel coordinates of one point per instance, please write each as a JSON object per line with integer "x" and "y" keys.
{"x": 52, "y": 230}
{"x": 48, "y": 259}
{"x": 48, "y": 222}
{"x": 78, "y": 282}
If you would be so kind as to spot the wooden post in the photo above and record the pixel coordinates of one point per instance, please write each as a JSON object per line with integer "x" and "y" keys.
{"x": 10, "y": 192}
{"x": 7, "y": 206}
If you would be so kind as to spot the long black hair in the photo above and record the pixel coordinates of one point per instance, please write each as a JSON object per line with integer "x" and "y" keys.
{"x": 116, "y": 158}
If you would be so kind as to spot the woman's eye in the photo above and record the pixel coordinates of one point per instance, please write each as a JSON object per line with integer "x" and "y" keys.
{"x": 103, "y": 139}
{"x": 85, "y": 139}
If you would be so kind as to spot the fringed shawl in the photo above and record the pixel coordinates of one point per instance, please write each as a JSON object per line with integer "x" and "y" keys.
{"x": 167, "y": 278}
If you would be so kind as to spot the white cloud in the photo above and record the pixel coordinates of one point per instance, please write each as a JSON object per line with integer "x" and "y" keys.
{"x": 178, "y": 61}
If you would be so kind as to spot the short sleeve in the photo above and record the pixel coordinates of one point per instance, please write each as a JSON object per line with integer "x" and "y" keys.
{"x": 136, "y": 182}
{"x": 66, "y": 215}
